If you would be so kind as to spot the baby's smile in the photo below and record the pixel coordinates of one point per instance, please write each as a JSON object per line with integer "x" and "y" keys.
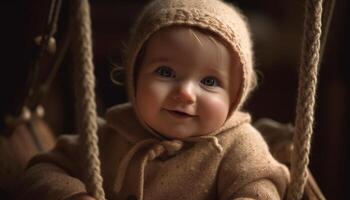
{"x": 180, "y": 114}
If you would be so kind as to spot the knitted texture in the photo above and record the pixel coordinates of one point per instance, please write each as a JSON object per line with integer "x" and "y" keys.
{"x": 221, "y": 19}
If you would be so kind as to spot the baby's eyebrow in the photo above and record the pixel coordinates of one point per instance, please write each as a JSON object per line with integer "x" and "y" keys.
{"x": 217, "y": 72}
{"x": 157, "y": 59}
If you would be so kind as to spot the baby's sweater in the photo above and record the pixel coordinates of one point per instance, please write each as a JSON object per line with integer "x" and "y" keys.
{"x": 231, "y": 163}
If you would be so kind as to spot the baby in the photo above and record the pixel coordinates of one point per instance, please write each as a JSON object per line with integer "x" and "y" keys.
{"x": 183, "y": 135}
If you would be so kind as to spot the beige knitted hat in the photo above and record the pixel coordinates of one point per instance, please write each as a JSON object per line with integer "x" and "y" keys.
{"x": 222, "y": 19}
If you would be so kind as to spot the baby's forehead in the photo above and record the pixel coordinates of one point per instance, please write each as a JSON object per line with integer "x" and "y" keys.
{"x": 178, "y": 33}
{"x": 191, "y": 42}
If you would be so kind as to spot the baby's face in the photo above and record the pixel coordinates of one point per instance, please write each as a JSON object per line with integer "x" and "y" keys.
{"x": 184, "y": 84}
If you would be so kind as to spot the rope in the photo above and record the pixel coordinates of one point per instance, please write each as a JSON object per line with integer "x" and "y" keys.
{"x": 82, "y": 45}
{"x": 306, "y": 98}
{"x": 62, "y": 50}
{"x": 327, "y": 19}
{"x": 49, "y": 31}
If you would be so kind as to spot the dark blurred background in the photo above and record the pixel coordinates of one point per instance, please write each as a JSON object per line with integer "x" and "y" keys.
{"x": 277, "y": 30}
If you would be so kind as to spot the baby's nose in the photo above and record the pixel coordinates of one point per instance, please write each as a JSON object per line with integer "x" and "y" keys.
{"x": 185, "y": 93}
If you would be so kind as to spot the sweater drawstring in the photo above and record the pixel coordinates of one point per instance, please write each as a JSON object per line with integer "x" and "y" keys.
{"x": 125, "y": 162}
{"x": 164, "y": 148}
{"x": 158, "y": 148}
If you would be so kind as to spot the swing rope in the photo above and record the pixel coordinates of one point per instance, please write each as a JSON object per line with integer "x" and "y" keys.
{"x": 82, "y": 45}
{"x": 308, "y": 71}
{"x": 32, "y": 98}
{"x": 58, "y": 59}
{"x": 326, "y": 20}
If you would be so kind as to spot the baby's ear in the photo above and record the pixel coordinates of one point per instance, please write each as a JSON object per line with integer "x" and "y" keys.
{"x": 253, "y": 81}
{"x": 117, "y": 75}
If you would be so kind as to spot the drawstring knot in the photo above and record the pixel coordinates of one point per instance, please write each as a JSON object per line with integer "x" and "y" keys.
{"x": 155, "y": 149}
{"x": 165, "y": 148}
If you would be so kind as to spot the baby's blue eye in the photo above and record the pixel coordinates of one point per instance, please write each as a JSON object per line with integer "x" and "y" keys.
{"x": 210, "y": 81}
{"x": 165, "y": 72}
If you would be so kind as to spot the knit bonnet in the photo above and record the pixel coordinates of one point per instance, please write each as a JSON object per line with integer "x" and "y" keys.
{"x": 217, "y": 17}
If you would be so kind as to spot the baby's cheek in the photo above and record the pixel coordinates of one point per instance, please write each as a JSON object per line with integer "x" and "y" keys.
{"x": 159, "y": 92}
{"x": 145, "y": 98}
{"x": 214, "y": 110}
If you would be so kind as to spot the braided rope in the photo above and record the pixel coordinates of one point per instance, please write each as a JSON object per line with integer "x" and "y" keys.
{"x": 306, "y": 98}
{"x": 88, "y": 127}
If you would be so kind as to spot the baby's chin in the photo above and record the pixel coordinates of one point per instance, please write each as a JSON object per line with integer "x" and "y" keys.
{"x": 181, "y": 131}
{"x": 182, "y": 134}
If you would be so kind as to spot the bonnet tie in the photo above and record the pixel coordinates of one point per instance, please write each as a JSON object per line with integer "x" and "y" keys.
{"x": 157, "y": 148}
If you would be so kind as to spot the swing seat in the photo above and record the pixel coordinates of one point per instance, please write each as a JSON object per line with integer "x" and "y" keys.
{"x": 18, "y": 144}
{"x": 279, "y": 137}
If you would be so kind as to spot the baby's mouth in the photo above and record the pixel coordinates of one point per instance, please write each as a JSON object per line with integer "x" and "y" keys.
{"x": 179, "y": 114}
